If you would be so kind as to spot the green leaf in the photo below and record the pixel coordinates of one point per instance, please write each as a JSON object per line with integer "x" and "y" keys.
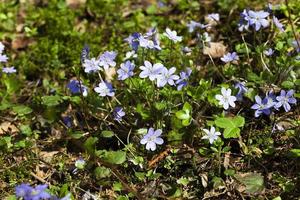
{"x": 181, "y": 114}
{"x": 51, "y": 100}
{"x": 115, "y": 157}
{"x": 187, "y": 107}
{"x": 224, "y": 123}
{"x": 254, "y": 182}
{"x": 107, "y": 134}
{"x": 22, "y": 110}
{"x": 239, "y": 121}
{"x": 12, "y": 84}
{"x": 295, "y": 152}
{"x": 232, "y": 132}
{"x": 90, "y": 144}
{"x": 26, "y": 130}
{"x": 102, "y": 172}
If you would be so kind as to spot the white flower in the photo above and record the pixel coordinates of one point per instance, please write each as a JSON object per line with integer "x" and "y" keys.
{"x": 211, "y": 134}
{"x": 167, "y": 76}
{"x": 130, "y": 54}
{"x": 9, "y": 70}
{"x": 91, "y": 65}
{"x": 1, "y": 47}
{"x": 105, "y": 89}
{"x": 172, "y": 35}
{"x": 226, "y": 99}
{"x": 152, "y": 138}
{"x": 151, "y": 71}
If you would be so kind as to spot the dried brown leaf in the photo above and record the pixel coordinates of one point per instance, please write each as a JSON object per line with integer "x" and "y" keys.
{"x": 215, "y": 50}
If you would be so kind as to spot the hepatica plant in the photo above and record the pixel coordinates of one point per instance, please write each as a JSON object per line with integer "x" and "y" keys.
{"x": 196, "y": 102}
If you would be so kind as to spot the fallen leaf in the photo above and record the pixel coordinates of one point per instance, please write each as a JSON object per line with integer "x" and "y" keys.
{"x": 215, "y": 50}
{"x": 8, "y": 127}
{"x": 75, "y": 3}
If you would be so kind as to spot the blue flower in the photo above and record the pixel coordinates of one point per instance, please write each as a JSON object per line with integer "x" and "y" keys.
{"x": 258, "y": 19}
{"x": 229, "y": 57}
{"x": 126, "y": 70}
{"x": 152, "y": 138}
{"x": 27, "y": 192}
{"x": 183, "y": 80}
{"x": 151, "y": 71}
{"x": 39, "y": 192}
{"x": 107, "y": 59}
{"x": 244, "y": 21}
{"x": 85, "y": 53}
{"x": 23, "y": 190}
{"x": 105, "y": 89}
{"x": 278, "y": 24}
{"x": 91, "y": 65}
{"x": 133, "y": 40}
{"x": 74, "y": 87}
{"x": 118, "y": 113}
{"x": 285, "y": 99}
{"x": 242, "y": 90}
{"x": 67, "y": 121}
{"x": 167, "y": 76}
{"x": 262, "y": 106}
{"x": 9, "y": 70}
{"x": 269, "y": 52}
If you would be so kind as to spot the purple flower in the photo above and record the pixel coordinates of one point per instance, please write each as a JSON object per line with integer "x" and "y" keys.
{"x": 105, "y": 89}
{"x": 214, "y": 16}
{"x": 183, "y": 80}
{"x": 118, "y": 113}
{"x": 229, "y": 57}
{"x": 244, "y": 21}
{"x": 151, "y": 71}
{"x": 3, "y": 58}
{"x": 9, "y": 70}
{"x": 23, "y": 190}
{"x": 126, "y": 70}
{"x": 39, "y": 193}
{"x": 146, "y": 43}
{"x": 193, "y": 25}
{"x": 27, "y": 192}
{"x": 296, "y": 45}
{"x": 74, "y": 87}
{"x": 67, "y": 121}
{"x": 258, "y": 19}
{"x": 242, "y": 90}
{"x": 167, "y": 76}
{"x": 278, "y": 24}
{"x": 85, "y": 53}
{"x": 152, "y": 138}
{"x": 133, "y": 40}
{"x": 269, "y": 52}
{"x": 107, "y": 59}
{"x": 285, "y": 99}
{"x": 91, "y": 65}
{"x": 262, "y": 106}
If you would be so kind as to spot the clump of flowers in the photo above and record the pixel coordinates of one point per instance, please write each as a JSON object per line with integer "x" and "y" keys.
{"x": 264, "y": 106}
{"x": 39, "y": 192}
